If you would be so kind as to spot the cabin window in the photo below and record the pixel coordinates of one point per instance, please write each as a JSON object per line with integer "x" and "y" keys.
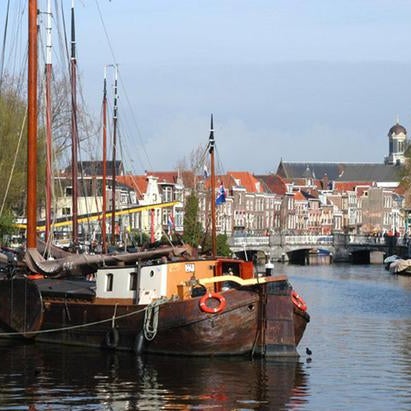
{"x": 133, "y": 281}
{"x": 109, "y": 282}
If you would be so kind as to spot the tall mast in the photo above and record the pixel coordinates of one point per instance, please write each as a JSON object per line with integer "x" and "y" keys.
{"x": 32, "y": 127}
{"x": 48, "y": 121}
{"x": 104, "y": 182}
{"x": 74, "y": 130}
{"x": 213, "y": 185}
{"x": 113, "y": 196}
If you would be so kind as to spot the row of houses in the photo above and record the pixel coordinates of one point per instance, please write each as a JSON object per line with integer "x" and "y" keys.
{"x": 299, "y": 197}
{"x": 254, "y": 204}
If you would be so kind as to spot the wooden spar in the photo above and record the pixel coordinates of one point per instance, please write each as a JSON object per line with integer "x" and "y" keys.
{"x": 104, "y": 182}
{"x": 113, "y": 195}
{"x": 74, "y": 130}
{"x": 32, "y": 127}
{"x": 48, "y": 122}
{"x": 213, "y": 185}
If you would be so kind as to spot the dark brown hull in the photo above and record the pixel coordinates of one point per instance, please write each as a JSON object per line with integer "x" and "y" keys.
{"x": 21, "y": 307}
{"x": 259, "y": 320}
{"x": 245, "y": 326}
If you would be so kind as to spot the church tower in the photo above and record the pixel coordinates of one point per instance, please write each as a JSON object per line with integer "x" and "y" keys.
{"x": 397, "y": 139}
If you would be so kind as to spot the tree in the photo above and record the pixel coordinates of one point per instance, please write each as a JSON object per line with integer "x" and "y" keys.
{"x": 6, "y": 225}
{"x": 222, "y": 247}
{"x": 193, "y": 231}
{"x": 13, "y": 153}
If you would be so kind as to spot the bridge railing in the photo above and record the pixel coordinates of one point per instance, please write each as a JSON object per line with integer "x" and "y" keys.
{"x": 291, "y": 240}
{"x": 308, "y": 239}
{"x": 273, "y": 240}
{"x": 250, "y": 241}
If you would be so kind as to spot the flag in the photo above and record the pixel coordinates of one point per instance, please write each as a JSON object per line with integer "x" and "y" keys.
{"x": 220, "y": 195}
{"x": 205, "y": 171}
{"x": 170, "y": 223}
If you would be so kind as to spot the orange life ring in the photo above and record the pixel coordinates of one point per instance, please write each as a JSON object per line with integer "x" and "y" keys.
{"x": 35, "y": 276}
{"x": 298, "y": 301}
{"x": 221, "y": 300}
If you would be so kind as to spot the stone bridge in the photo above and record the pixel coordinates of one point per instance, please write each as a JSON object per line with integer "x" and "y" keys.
{"x": 341, "y": 247}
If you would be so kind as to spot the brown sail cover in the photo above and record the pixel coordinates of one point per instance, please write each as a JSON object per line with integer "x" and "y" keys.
{"x": 86, "y": 263}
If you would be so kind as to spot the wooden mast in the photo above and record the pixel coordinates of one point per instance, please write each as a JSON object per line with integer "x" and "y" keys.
{"x": 104, "y": 181}
{"x": 213, "y": 185}
{"x": 48, "y": 123}
{"x": 32, "y": 127}
{"x": 113, "y": 196}
{"x": 74, "y": 130}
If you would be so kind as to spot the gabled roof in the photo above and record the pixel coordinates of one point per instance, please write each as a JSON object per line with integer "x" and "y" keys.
{"x": 247, "y": 180}
{"x": 227, "y": 181}
{"x": 165, "y": 176}
{"x": 349, "y": 186}
{"x": 172, "y": 177}
{"x": 371, "y": 172}
{"x": 274, "y": 183}
{"x": 137, "y": 183}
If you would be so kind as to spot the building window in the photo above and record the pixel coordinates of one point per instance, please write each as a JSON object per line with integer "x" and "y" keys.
{"x": 68, "y": 191}
{"x": 168, "y": 194}
{"x": 123, "y": 198}
{"x": 66, "y": 211}
{"x": 109, "y": 282}
{"x": 133, "y": 281}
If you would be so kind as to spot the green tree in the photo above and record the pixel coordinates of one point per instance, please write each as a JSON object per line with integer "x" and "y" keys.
{"x": 193, "y": 232}
{"x": 222, "y": 247}
{"x": 13, "y": 153}
{"x": 6, "y": 225}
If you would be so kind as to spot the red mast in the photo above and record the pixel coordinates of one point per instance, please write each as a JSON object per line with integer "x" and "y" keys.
{"x": 32, "y": 127}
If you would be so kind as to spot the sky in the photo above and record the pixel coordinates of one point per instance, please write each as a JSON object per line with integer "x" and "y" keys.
{"x": 297, "y": 80}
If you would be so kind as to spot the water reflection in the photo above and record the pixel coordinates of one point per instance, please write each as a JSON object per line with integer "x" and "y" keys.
{"x": 42, "y": 377}
{"x": 360, "y": 335}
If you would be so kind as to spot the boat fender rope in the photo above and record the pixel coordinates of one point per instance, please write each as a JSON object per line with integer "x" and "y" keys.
{"x": 221, "y": 303}
{"x": 151, "y": 319}
{"x": 298, "y": 301}
{"x": 112, "y": 338}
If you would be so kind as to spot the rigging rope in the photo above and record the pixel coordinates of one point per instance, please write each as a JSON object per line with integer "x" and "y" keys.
{"x": 73, "y": 327}
{"x": 3, "y": 51}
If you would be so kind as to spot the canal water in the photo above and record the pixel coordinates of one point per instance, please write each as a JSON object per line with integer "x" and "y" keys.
{"x": 360, "y": 338}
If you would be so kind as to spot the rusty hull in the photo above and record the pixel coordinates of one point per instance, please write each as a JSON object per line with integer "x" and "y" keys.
{"x": 257, "y": 320}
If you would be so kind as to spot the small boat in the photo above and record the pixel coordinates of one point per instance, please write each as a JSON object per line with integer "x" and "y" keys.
{"x": 400, "y": 266}
{"x": 390, "y": 259}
